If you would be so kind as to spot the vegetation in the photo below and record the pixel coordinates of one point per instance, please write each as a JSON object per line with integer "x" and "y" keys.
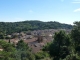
{"x": 19, "y": 52}
{"x": 64, "y": 47}
{"x": 41, "y": 55}
{"x": 12, "y": 27}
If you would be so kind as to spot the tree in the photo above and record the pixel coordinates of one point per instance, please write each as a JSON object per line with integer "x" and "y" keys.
{"x": 8, "y": 50}
{"x": 23, "y": 51}
{"x": 22, "y": 46}
{"x": 75, "y": 35}
{"x": 41, "y": 55}
{"x": 12, "y": 27}
{"x": 40, "y": 39}
{"x": 75, "y": 43}
{"x": 59, "y": 48}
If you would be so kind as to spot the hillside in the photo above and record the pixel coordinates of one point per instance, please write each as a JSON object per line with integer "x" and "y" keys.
{"x": 11, "y": 27}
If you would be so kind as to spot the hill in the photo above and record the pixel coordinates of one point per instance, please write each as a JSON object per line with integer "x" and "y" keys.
{"x": 11, "y": 27}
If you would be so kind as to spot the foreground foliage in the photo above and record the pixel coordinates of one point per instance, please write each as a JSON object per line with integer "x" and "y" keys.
{"x": 19, "y": 52}
{"x": 65, "y": 46}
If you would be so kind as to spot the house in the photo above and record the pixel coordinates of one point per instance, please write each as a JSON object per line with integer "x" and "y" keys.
{"x": 1, "y": 49}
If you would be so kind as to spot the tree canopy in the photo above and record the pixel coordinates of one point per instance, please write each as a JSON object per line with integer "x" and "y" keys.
{"x": 11, "y": 27}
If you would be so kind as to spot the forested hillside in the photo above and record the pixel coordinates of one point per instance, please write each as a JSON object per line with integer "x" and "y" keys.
{"x": 11, "y": 27}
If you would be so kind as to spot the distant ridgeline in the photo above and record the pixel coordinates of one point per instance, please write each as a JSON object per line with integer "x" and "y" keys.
{"x": 11, "y": 27}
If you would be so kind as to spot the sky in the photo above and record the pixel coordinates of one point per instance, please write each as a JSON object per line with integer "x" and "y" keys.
{"x": 63, "y": 11}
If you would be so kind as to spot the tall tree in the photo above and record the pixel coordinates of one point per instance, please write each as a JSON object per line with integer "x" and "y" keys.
{"x": 59, "y": 48}
{"x": 75, "y": 34}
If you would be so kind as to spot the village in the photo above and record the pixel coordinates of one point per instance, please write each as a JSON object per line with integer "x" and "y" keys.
{"x": 35, "y": 39}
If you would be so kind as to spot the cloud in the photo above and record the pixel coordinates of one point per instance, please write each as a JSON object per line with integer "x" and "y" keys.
{"x": 77, "y": 10}
{"x": 76, "y": 1}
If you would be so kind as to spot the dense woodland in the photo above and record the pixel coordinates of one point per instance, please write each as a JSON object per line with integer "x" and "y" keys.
{"x": 12, "y": 27}
{"x": 63, "y": 47}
